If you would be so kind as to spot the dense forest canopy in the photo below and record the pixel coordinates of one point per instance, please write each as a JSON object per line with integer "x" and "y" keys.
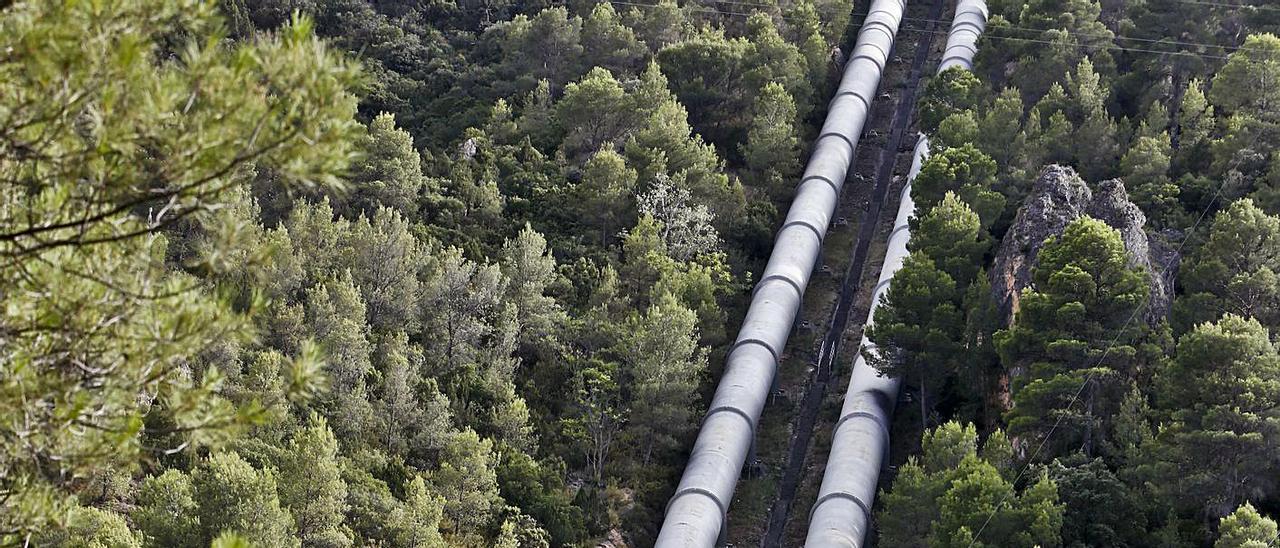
{"x": 403, "y": 273}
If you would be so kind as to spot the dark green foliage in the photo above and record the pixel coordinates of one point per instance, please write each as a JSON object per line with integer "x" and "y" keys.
{"x": 948, "y": 494}
{"x": 1235, "y": 271}
{"x": 1220, "y": 393}
{"x": 951, "y": 92}
{"x": 1100, "y": 510}
{"x": 918, "y": 328}
{"x": 968, "y": 173}
{"x": 1073, "y": 343}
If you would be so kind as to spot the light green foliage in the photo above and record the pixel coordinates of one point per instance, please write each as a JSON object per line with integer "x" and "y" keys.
{"x": 607, "y": 193}
{"x": 389, "y": 173}
{"x": 166, "y": 512}
{"x": 950, "y": 492}
{"x": 336, "y": 316}
{"x": 1246, "y": 528}
{"x": 608, "y": 43}
{"x": 387, "y": 258}
{"x": 228, "y": 539}
{"x": 231, "y": 495}
{"x": 1145, "y": 168}
{"x": 412, "y": 415}
{"x": 98, "y": 126}
{"x": 951, "y": 234}
{"x": 417, "y": 521}
{"x": 530, "y": 269}
{"x": 598, "y": 415}
{"x": 951, "y": 92}
{"x": 467, "y": 481}
{"x": 1237, "y": 270}
{"x": 1000, "y": 133}
{"x": 595, "y": 110}
{"x": 311, "y": 486}
{"x": 1247, "y": 84}
{"x": 1196, "y": 125}
{"x": 965, "y": 171}
{"x": 665, "y": 363}
{"x": 665, "y": 143}
{"x": 771, "y": 59}
{"x": 91, "y": 528}
{"x": 1072, "y": 30}
{"x": 772, "y": 148}
{"x": 660, "y": 25}
{"x": 1072, "y": 335}
{"x": 956, "y": 130}
{"x": 1221, "y": 392}
{"x": 1095, "y": 133}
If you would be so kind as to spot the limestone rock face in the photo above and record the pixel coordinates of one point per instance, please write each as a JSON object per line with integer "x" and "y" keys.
{"x": 1059, "y": 197}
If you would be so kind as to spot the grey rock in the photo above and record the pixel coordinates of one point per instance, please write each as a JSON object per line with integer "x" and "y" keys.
{"x": 1059, "y": 197}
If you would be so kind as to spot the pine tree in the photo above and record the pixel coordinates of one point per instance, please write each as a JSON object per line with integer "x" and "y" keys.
{"x": 950, "y": 493}
{"x": 389, "y": 174}
{"x": 467, "y": 481}
{"x": 665, "y": 364}
{"x": 1246, "y": 85}
{"x": 234, "y": 496}
{"x": 166, "y": 512}
{"x": 1235, "y": 271}
{"x": 951, "y": 235}
{"x": 772, "y": 148}
{"x": 417, "y": 521}
{"x": 918, "y": 328}
{"x": 1072, "y": 346}
{"x": 1095, "y": 135}
{"x": 311, "y": 486}
{"x": 1221, "y": 392}
{"x": 953, "y": 91}
{"x": 336, "y": 316}
{"x": 608, "y": 43}
{"x": 387, "y": 259}
{"x": 123, "y": 120}
{"x": 968, "y": 173}
{"x": 607, "y": 193}
{"x": 530, "y": 270}
{"x": 1246, "y": 528}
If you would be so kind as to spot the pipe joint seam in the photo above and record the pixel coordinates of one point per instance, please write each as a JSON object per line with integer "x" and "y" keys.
{"x": 834, "y": 187}
{"x": 884, "y": 429}
{"x": 840, "y": 136}
{"x": 804, "y": 223}
{"x": 866, "y": 512}
{"x": 699, "y": 491}
{"x": 896, "y": 230}
{"x": 745, "y": 342}
{"x": 775, "y": 277}
{"x": 866, "y": 106}
{"x": 751, "y": 424}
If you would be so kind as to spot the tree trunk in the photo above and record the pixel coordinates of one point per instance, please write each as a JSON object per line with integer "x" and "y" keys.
{"x": 924, "y": 405}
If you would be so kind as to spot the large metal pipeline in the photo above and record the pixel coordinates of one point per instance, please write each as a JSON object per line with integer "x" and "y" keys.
{"x": 842, "y": 513}
{"x": 696, "y": 514}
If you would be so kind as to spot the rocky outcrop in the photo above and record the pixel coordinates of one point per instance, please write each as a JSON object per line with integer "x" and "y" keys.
{"x": 1060, "y": 196}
